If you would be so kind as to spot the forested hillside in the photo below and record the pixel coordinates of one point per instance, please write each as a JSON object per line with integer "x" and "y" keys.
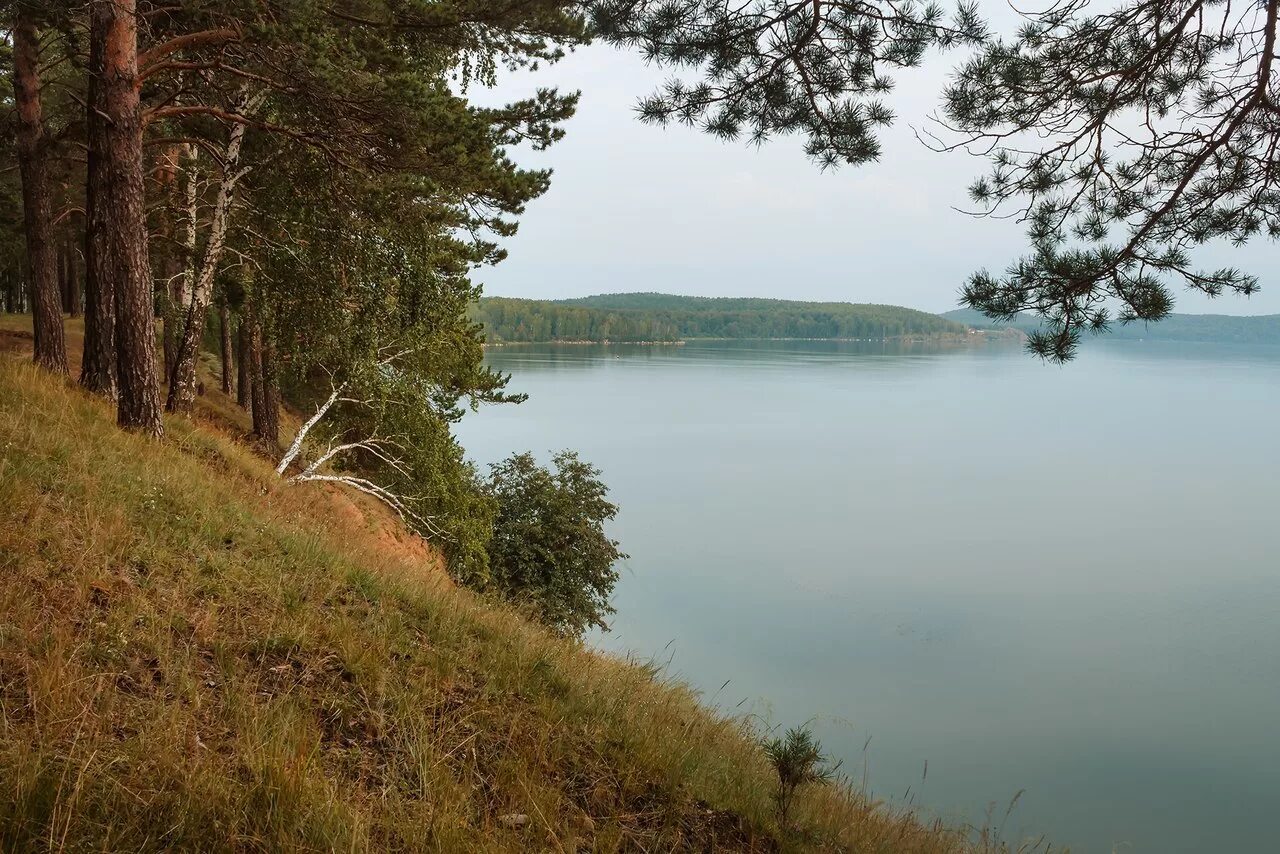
{"x": 1206, "y": 328}
{"x": 653, "y": 317}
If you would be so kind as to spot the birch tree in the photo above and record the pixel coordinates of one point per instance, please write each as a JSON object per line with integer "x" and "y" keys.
{"x": 199, "y": 275}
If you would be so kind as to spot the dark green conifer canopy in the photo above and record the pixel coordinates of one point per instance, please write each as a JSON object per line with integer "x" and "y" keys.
{"x": 767, "y": 67}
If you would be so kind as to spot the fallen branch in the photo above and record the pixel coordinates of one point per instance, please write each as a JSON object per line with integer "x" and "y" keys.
{"x": 381, "y": 447}
{"x": 397, "y": 503}
{"x": 295, "y": 447}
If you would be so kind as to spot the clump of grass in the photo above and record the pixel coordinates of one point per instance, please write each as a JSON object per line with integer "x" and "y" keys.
{"x": 195, "y": 657}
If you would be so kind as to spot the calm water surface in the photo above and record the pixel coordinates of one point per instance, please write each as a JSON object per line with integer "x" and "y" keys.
{"x": 1064, "y": 581}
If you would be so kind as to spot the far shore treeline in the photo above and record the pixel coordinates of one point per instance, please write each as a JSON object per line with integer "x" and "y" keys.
{"x": 1189, "y": 328}
{"x": 657, "y": 318}
{"x": 654, "y": 318}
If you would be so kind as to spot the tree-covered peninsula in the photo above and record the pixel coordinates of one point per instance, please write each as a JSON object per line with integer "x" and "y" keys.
{"x": 666, "y": 318}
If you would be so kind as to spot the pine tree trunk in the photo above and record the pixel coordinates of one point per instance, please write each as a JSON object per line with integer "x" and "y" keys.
{"x": 46, "y": 308}
{"x": 257, "y": 401}
{"x": 122, "y": 205}
{"x": 244, "y": 378}
{"x": 98, "y": 369}
{"x": 266, "y": 389}
{"x": 64, "y": 281}
{"x": 224, "y": 323}
{"x": 73, "y": 282}
{"x": 268, "y": 426}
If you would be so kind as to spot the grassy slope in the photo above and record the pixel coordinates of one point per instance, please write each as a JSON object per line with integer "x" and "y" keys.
{"x": 195, "y": 656}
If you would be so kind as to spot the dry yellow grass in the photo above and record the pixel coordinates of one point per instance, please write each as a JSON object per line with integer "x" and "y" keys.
{"x": 195, "y": 656}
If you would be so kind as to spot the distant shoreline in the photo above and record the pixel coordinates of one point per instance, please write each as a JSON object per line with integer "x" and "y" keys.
{"x": 652, "y": 318}
{"x": 973, "y": 336}
{"x": 655, "y": 319}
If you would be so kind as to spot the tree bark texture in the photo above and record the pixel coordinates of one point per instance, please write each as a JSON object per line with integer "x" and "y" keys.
{"x": 244, "y": 378}
{"x": 98, "y": 369}
{"x": 268, "y": 426}
{"x": 75, "y": 290}
{"x": 224, "y": 326}
{"x": 123, "y": 216}
{"x": 33, "y": 165}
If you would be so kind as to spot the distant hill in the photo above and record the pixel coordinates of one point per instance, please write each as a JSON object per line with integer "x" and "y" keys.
{"x": 652, "y": 317}
{"x": 1207, "y": 328}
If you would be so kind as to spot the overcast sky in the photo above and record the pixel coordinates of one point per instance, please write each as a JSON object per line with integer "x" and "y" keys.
{"x": 639, "y": 208}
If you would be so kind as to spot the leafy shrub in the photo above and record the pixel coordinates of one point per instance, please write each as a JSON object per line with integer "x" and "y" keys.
{"x": 549, "y": 549}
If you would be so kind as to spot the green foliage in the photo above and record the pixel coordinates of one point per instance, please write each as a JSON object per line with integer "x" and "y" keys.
{"x": 374, "y": 189}
{"x": 663, "y": 317}
{"x": 774, "y": 67}
{"x": 365, "y": 229}
{"x": 1123, "y": 136}
{"x": 431, "y": 472}
{"x": 798, "y": 760}
{"x": 549, "y": 548}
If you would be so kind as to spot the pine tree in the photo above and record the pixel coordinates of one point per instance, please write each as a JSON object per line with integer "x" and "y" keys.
{"x": 815, "y": 67}
{"x": 50, "y": 350}
{"x": 120, "y": 211}
{"x": 1124, "y": 138}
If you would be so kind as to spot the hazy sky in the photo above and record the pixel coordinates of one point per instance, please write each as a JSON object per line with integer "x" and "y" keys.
{"x": 639, "y": 208}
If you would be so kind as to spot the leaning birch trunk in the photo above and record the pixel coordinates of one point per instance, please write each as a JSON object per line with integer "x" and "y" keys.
{"x": 375, "y": 446}
{"x": 182, "y": 384}
{"x": 387, "y": 357}
{"x": 380, "y": 447}
{"x": 295, "y": 447}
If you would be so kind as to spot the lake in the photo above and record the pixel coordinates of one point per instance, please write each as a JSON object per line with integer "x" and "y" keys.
{"x": 1063, "y": 581}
